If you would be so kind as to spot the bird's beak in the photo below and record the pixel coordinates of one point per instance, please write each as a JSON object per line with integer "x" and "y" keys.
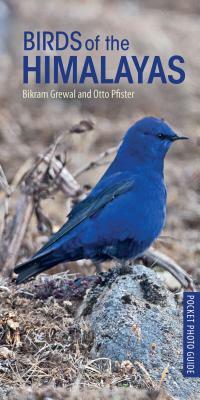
{"x": 176, "y": 137}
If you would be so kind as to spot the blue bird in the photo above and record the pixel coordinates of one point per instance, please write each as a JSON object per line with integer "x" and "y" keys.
{"x": 124, "y": 213}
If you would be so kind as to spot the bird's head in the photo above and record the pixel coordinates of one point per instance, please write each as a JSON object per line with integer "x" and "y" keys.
{"x": 149, "y": 138}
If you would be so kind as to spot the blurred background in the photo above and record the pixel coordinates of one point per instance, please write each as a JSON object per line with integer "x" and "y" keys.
{"x": 27, "y": 127}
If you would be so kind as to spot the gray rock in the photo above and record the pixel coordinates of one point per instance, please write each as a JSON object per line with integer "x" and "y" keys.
{"x": 134, "y": 317}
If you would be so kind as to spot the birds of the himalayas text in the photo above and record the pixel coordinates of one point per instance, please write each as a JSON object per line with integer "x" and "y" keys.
{"x": 124, "y": 213}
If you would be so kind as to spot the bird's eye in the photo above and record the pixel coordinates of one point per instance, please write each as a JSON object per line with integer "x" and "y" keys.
{"x": 161, "y": 136}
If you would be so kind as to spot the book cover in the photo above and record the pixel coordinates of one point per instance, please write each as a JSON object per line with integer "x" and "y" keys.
{"x": 99, "y": 199}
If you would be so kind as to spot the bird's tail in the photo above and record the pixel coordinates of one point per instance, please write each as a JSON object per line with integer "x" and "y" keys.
{"x": 35, "y": 266}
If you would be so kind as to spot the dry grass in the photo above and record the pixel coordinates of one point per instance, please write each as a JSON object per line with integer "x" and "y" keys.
{"x": 64, "y": 394}
{"x": 42, "y": 344}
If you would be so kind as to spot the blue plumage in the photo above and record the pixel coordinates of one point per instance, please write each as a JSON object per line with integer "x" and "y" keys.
{"x": 124, "y": 213}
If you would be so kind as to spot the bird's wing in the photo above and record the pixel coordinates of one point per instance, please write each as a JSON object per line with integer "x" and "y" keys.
{"x": 89, "y": 207}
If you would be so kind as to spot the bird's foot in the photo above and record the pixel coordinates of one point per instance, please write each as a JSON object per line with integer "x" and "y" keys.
{"x": 124, "y": 268}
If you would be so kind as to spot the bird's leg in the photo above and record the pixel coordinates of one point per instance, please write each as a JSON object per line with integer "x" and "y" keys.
{"x": 98, "y": 267}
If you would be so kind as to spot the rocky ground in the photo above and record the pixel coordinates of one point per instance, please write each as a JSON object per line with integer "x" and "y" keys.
{"x": 121, "y": 330}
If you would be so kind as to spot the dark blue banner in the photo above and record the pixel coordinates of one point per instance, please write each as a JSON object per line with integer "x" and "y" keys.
{"x": 191, "y": 335}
